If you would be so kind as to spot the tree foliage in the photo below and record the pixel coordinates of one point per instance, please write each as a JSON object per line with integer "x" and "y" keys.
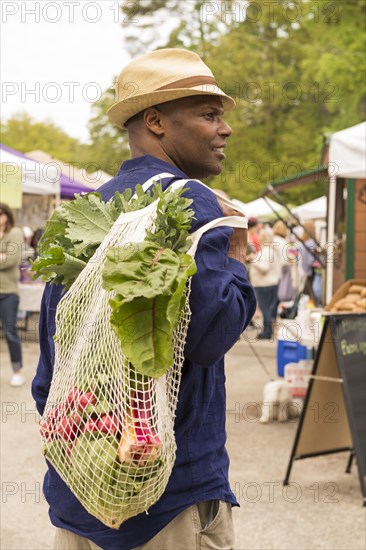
{"x": 188, "y": 25}
{"x": 109, "y": 145}
{"x": 24, "y": 134}
{"x": 106, "y": 151}
{"x": 296, "y": 70}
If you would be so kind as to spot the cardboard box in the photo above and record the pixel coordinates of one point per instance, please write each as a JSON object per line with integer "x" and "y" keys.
{"x": 342, "y": 292}
{"x": 297, "y": 376}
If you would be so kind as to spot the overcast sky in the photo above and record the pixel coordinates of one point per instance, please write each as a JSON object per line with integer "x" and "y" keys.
{"x": 57, "y": 58}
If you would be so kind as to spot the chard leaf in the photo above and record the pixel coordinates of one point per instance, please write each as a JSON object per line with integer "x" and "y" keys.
{"x": 142, "y": 270}
{"x": 177, "y": 301}
{"x": 145, "y": 333}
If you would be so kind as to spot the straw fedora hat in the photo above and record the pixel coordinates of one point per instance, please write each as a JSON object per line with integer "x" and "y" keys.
{"x": 160, "y": 76}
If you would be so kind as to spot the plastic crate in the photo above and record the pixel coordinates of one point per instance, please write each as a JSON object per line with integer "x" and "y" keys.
{"x": 289, "y": 352}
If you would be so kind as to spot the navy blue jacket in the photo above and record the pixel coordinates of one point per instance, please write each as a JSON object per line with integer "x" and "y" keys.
{"x": 222, "y": 303}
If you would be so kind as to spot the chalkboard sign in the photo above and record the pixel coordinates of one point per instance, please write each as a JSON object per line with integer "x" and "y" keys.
{"x": 350, "y": 342}
{"x": 334, "y": 413}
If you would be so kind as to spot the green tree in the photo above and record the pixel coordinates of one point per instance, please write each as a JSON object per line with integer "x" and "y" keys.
{"x": 109, "y": 144}
{"x": 297, "y": 72}
{"x": 193, "y": 24}
{"x": 24, "y": 134}
{"x": 106, "y": 151}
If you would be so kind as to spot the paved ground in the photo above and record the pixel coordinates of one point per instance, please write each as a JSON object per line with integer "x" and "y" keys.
{"x": 320, "y": 509}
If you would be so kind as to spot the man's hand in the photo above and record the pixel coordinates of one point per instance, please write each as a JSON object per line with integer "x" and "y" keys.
{"x": 239, "y": 239}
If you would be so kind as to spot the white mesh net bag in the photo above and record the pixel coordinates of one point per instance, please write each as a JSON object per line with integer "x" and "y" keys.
{"x": 107, "y": 429}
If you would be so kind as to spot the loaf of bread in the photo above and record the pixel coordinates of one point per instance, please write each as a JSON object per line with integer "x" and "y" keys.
{"x": 356, "y": 289}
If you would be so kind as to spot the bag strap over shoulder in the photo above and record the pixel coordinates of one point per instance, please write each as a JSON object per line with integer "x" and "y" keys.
{"x": 155, "y": 178}
{"x": 227, "y": 221}
{"x": 181, "y": 183}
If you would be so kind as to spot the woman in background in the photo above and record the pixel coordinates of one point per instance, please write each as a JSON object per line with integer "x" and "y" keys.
{"x": 286, "y": 288}
{"x": 11, "y": 242}
{"x": 265, "y": 271}
{"x": 311, "y": 263}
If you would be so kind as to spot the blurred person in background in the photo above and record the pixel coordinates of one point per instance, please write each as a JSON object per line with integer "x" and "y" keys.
{"x": 265, "y": 272}
{"x": 252, "y": 250}
{"x": 311, "y": 263}
{"x": 280, "y": 236}
{"x": 28, "y": 251}
{"x": 295, "y": 255}
{"x": 286, "y": 288}
{"x": 35, "y": 240}
{"x": 28, "y": 254}
{"x": 11, "y": 243}
{"x": 254, "y": 227}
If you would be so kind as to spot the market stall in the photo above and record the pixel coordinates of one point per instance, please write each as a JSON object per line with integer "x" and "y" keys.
{"x": 71, "y": 174}
{"x": 346, "y": 157}
{"x": 22, "y": 175}
{"x": 312, "y": 210}
{"x": 37, "y": 177}
{"x": 342, "y": 170}
{"x": 32, "y": 189}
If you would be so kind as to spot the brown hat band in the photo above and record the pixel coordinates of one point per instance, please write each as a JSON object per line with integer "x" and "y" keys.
{"x": 189, "y": 82}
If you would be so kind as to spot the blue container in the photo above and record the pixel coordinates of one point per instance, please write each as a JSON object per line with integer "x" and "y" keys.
{"x": 289, "y": 352}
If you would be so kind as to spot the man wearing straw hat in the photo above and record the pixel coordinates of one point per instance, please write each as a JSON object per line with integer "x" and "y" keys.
{"x": 172, "y": 108}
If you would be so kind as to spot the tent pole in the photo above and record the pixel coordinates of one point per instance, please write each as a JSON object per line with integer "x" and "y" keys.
{"x": 330, "y": 237}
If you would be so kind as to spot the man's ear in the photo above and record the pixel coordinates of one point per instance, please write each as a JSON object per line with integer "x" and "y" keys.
{"x": 153, "y": 120}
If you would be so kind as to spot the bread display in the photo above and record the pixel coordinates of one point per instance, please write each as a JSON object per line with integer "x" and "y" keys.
{"x": 350, "y": 298}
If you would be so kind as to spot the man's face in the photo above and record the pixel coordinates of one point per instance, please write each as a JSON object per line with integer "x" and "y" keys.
{"x": 195, "y": 135}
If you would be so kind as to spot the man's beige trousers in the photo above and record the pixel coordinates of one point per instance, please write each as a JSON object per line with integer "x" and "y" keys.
{"x": 203, "y": 526}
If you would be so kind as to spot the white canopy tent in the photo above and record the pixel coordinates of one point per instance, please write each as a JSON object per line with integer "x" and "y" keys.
{"x": 312, "y": 210}
{"x": 347, "y": 152}
{"x": 75, "y": 175}
{"x": 259, "y": 207}
{"x": 347, "y": 159}
{"x": 37, "y": 178}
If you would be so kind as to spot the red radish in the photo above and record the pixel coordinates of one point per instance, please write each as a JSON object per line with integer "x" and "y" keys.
{"x": 46, "y": 428}
{"x": 76, "y": 418}
{"x": 85, "y": 399}
{"x": 67, "y": 428}
{"x": 56, "y": 413}
{"x": 90, "y": 426}
{"x": 73, "y": 396}
{"x": 108, "y": 423}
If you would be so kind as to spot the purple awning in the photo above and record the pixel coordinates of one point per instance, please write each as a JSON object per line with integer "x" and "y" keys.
{"x": 68, "y": 186}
